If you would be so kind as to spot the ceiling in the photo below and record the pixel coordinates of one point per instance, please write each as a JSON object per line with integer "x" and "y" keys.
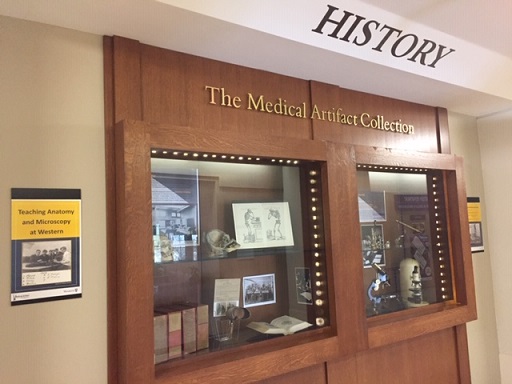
{"x": 276, "y": 37}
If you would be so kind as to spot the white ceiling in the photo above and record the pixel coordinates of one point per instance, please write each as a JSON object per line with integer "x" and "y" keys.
{"x": 479, "y": 84}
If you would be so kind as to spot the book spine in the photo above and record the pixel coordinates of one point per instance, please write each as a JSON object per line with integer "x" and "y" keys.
{"x": 160, "y": 331}
{"x": 189, "y": 327}
{"x": 202, "y": 341}
{"x": 174, "y": 338}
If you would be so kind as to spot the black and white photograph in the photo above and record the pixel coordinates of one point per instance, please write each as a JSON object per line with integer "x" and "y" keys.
{"x": 475, "y": 233}
{"x": 303, "y": 285}
{"x": 373, "y": 245}
{"x": 259, "y": 290}
{"x": 175, "y": 207}
{"x": 43, "y": 256}
{"x": 262, "y": 225}
{"x": 226, "y": 295}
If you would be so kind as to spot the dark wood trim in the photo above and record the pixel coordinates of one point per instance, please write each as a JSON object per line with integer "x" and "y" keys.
{"x": 463, "y": 354}
{"x": 443, "y": 134}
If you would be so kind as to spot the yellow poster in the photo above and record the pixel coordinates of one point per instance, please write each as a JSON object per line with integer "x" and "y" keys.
{"x": 45, "y": 237}
{"x": 475, "y": 224}
{"x": 43, "y": 219}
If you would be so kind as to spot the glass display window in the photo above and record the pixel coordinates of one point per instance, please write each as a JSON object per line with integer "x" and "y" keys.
{"x": 239, "y": 240}
{"x": 405, "y": 250}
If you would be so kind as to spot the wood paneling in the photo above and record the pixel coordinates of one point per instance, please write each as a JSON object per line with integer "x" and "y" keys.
{"x": 311, "y": 375}
{"x": 422, "y": 117}
{"x": 174, "y": 92}
{"x": 421, "y": 360}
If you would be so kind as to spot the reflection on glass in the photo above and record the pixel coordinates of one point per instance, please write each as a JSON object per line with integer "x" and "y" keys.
{"x": 404, "y": 242}
{"x": 238, "y": 235}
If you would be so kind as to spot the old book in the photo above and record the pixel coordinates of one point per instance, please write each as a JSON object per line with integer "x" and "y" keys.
{"x": 175, "y": 340}
{"x": 284, "y": 325}
{"x": 189, "y": 329}
{"x": 160, "y": 331}
{"x": 202, "y": 328}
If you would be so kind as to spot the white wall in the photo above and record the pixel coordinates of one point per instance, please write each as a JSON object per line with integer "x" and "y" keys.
{"x": 482, "y": 333}
{"x": 52, "y": 136}
{"x": 495, "y": 136}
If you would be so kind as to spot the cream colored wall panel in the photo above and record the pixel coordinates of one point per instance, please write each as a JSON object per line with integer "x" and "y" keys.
{"x": 482, "y": 333}
{"x": 495, "y": 136}
{"x": 52, "y": 136}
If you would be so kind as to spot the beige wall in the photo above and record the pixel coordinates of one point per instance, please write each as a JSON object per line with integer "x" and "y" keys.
{"x": 52, "y": 136}
{"x": 51, "y": 104}
{"x": 495, "y": 136}
{"x": 482, "y": 334}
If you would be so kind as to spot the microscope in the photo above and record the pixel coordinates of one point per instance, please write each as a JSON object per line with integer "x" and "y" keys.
{"x": 380, "y": 282}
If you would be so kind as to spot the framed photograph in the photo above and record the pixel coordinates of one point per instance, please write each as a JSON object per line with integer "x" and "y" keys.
{"x": 226, "y": 295}
{"x": 303, "y": 285}
{"x": 373, "y": 245}
{"x": 259, "y": 290}
{"x": 175, "y": 205}
{"x": 372, "y": 206}
{"x": 262, "y": 225}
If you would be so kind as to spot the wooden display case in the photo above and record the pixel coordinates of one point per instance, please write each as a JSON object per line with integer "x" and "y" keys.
{"x": 418, "y": 218}
{"x": 311, "y": 178}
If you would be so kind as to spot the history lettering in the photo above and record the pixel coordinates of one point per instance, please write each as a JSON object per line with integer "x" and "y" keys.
{"x": 356, "y": 29}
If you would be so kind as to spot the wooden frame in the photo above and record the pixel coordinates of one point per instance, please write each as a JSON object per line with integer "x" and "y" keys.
{"x": 134, "y": 288}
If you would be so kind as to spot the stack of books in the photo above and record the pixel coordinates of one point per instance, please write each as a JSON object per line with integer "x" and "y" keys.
{"x": 180, "y": 329}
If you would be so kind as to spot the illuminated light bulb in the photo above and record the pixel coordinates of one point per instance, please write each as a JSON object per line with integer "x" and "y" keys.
{"x": 312, "y": 173}
{"x": 312, "y": 181}
{"x": 319, "y": 302}
{"x": 195, "y": 154}
{"x": 318, "y": 283}
{"x": 153, "y": 151}
{"x": 319, "y": 292}
{"x": 317, "y": 264}
{"x": 320, "y": 321}
{"x": 313, "y": 208}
